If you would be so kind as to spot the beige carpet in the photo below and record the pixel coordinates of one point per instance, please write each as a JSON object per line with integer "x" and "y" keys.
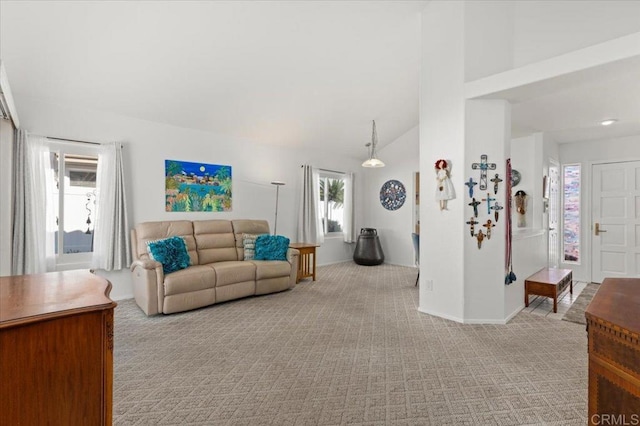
{"x": 576, "y": 311}
{"x": 350, "y": 348}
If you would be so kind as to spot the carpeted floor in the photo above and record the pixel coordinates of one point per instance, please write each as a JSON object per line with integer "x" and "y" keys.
{"x": 576, "y": 311}
{"x": 350, "y": 348}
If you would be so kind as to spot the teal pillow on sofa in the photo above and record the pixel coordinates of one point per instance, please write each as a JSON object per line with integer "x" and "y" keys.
{"x": 271, "y": 247}
{"x": 171, "y": 252}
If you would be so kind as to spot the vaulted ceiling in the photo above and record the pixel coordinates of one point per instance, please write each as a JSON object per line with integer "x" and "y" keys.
{"x": 292, "y": 73}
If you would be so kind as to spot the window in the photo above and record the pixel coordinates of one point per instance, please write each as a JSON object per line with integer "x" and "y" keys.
{"x": 571, "y": 217}
{"x": 73, "y": 203}
{"x": 331, "y": 206}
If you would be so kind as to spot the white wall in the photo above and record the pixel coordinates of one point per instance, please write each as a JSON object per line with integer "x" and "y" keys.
{"x": 401, "y": 158}
{"x": 585, "y": 154}
{"x": 442, "y": 135}
{"x": 488, "y": 38}
{"x": 6, "y": 181}
{"x": 487, "y": 131}
{"x": 544, "y": 29}
{"x": 529, "y": 255}
{"x": 503, "y": 35}
{"x": 148, "y": 144}
{"x": 530, "y": 156}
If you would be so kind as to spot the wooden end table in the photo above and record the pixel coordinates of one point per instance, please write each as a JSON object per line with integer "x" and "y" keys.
{"x": 307, "y": 261}
{"x": 548, "y": 282}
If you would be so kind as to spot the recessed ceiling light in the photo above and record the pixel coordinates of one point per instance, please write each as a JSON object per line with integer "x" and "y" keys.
{"x": 608, "y": 122}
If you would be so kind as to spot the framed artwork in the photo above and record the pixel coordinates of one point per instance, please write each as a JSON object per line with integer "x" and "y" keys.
{"x": 197, "y": 187}
{"x": 392, "y": 194}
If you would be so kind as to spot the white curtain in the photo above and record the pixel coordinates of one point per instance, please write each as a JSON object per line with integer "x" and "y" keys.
{"x": 32, "y": 244}
{"x": 309, "y": 221}
{"x": 111, "y": 239}
{"x": 349, "y": 231}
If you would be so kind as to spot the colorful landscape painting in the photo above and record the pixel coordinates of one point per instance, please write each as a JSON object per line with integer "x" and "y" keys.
{"x": 197, "y": 187}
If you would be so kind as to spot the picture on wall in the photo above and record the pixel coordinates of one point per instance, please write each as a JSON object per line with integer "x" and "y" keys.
{"x": 197, "y": 187}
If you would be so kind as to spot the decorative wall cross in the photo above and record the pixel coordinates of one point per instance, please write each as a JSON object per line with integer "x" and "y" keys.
{"x": 496, "y": 180}
{"x": 472, "y": 223}
{"x": 475, "y": 204}
{"x": 480, "y": 237}
{"x": 488, "y": 200}
{"x": 488, "y": 225}
{"x": 471, "y": 183}
{"x": 496, "y": 208}
{"x": 483, "y": 166}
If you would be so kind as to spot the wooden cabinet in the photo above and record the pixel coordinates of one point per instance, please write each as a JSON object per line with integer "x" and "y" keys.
{"x": 56, "y": 349}
{"x": 613, "y": 324}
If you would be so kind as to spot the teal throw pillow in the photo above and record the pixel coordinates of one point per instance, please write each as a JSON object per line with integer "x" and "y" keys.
{"x": 171, "y": 252}
{"x": 271, "y": 247}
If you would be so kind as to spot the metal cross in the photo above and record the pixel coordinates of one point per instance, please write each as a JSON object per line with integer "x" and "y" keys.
{"x": 472, "y": 222}
{"x": 496, "y": 180}
{"x": 474, "y": 204}
{"x": 496, "y": 208}
{"x": 480, "y": 236}
{"x": 488, "y": 200}
{"x": 471, "y": 183}
{"x": 483, "y": 166}
{"x": 488, "y": 225}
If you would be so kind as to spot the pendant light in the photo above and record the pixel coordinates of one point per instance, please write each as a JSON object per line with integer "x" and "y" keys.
{"x": 373, "y": 161}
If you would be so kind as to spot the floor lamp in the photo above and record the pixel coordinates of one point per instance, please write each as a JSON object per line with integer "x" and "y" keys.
{"x": 278, "y": 184}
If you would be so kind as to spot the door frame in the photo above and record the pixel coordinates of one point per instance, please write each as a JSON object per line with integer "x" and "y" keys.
{"x": 552, "y": 162}
{"x": 588, "y": 196}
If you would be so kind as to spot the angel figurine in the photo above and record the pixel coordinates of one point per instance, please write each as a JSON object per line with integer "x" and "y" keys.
{"x": 444, "y": 188}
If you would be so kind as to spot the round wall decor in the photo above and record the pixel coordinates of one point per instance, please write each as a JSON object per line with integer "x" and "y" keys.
{"x": 515, "y": 177}
{"x": 392, "y": 194}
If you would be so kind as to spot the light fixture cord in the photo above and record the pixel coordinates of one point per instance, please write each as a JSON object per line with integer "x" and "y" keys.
{"x": 374, "y": 140}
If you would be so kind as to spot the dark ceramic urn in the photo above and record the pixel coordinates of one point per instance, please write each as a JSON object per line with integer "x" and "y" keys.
{"x": 368, "y": 250}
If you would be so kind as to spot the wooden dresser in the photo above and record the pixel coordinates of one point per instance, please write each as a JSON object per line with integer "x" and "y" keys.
{"x": 613, "y": 323}
{"x": 56, "y": 349}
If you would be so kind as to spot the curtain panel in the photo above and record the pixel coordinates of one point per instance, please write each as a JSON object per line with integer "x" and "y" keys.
{"x": 309, "y": 221}
{"x": 349, "y": 230}
{"x": 31, "y": 243}
{"x": 111, "y": 246}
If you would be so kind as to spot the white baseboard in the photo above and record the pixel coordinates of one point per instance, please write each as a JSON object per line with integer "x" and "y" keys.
{"x": 473, "y": 320}
{"x": 441, "y": 315}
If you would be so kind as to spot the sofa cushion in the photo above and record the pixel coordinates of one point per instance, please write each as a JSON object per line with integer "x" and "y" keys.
{"x": 247, "y": 226}
{"x": 171, "y": 252}
{"x": 271, "y": 269}
{"x": 271, "y": 247}
{"x": 193, "y": 278}
{"x": 233, "y": 272}
{"x": 215, "y": 241}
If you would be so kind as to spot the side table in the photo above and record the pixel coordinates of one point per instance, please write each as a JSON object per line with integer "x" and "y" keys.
{"x": 307, "y": 262}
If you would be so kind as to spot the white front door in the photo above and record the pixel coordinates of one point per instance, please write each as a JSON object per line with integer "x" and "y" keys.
{"x": 554, "y": 213}
{"x": 615, "y": 231}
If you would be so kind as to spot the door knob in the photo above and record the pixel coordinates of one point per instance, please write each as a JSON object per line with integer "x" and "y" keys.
{"x": 598, "y": 230}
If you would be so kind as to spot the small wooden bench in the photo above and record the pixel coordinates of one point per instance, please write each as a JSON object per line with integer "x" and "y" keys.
{"x": 548, "y": 282}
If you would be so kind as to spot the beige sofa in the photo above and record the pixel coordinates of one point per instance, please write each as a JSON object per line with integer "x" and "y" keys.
{"x": 217, "y": 272}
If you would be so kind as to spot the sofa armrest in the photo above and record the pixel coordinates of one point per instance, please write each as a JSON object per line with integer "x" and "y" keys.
{"x": 293, "y": 257}
{"x": 148, "y": 287}
{"x": 145, "y": 264}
